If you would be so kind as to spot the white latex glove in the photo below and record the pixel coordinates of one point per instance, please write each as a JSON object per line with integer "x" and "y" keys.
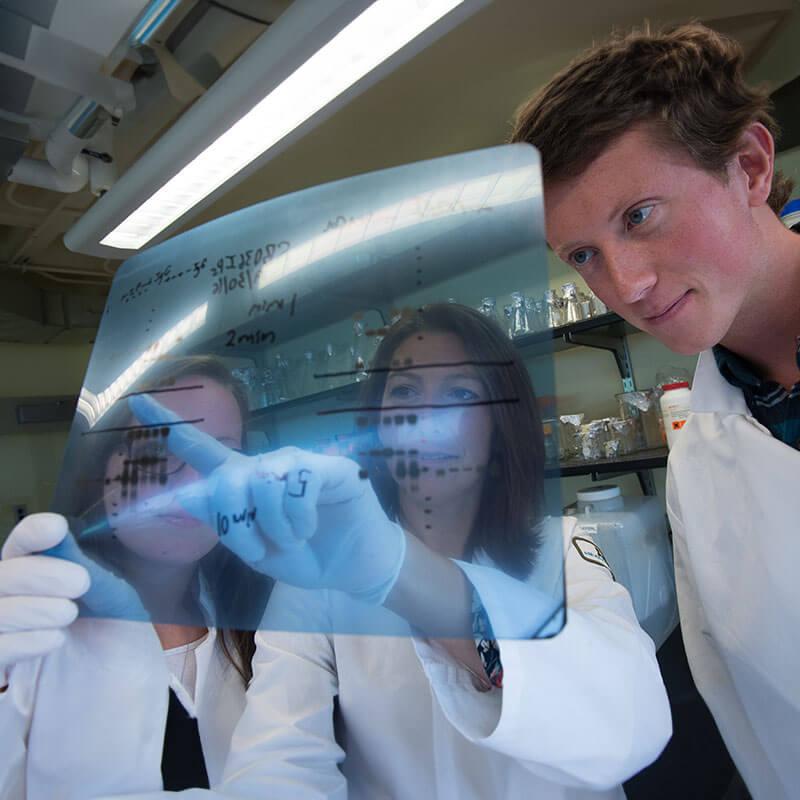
{"x": 36, "y": 591}
{"x": 305, "y": 519}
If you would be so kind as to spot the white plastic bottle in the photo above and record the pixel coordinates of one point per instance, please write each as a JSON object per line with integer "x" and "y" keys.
{"x": 675, "y": 406}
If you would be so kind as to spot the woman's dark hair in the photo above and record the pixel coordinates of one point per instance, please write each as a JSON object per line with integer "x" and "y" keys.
{"x": 512, "y": 502}
{"x": 238, "y": 593}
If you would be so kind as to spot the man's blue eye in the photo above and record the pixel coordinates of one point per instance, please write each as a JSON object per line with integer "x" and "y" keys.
{"x": 639, "y": 215}
{"x": 580, "y": 258}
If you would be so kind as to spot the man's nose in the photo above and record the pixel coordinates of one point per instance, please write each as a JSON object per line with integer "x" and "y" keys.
{"x": 631, "y": 274}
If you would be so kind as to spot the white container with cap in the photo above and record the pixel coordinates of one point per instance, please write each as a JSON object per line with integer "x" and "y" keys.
{"x": 632, "y": 534}
{"x": 675, "y": 406}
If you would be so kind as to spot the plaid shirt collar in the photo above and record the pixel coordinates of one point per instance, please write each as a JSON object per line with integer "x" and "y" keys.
{"x": 769, "y": 402}
{"x": 740, "y": 373}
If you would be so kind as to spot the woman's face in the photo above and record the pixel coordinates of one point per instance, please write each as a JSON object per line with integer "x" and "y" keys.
{"x": 143, "y": 467}
{"x": 434, "y": 420}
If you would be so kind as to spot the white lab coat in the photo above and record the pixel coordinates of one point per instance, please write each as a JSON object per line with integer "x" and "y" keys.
{"x": 732, "y": 494}
{"x": 578, "y": 714}
{"x": 88, "y": 719}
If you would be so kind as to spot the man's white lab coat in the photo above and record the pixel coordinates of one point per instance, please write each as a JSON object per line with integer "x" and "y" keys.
{"x": 577, "y": 715}
{"x": 733, "y": 496}
{"x": 88, "y": 719}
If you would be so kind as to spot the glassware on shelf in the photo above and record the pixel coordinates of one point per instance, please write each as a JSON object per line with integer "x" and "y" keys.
{"x": 325, "y": 364}
{"x": 508, "y": 313}
{"x": 625, "y": 433}
{"x": 592, "y": 439}
{"x": 554, "y": 307}
{"x": 256, "y": 382}
{"x": 587, "y": 307}
{"x": 245, "y": 376}
{"x": 568, "y": 430}
{"x": 530, "y": 313}
{"x": 307, "y": 383}
{"x": 280, "y": 379}
{"x": 598, "y": 306}
{"x": 519, "y": 322}
{"x": 358, "y": 353}
{"x": 263, "y": 390}
{"x": 543, "y": 314}
{"x": 642, "y": 407}
{"x": 572, "y": 304}
{"x": 488, "y": 308}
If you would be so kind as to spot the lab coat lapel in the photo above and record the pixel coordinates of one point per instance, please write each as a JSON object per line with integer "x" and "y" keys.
{"x": 112, "y": 672}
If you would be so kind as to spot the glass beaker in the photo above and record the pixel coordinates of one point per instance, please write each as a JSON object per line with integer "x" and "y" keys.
{"x": 572, "y": 304}
{"x": 519, "y": 324}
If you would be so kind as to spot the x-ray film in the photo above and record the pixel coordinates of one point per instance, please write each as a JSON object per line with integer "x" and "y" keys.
{"x": 289, "y": 399}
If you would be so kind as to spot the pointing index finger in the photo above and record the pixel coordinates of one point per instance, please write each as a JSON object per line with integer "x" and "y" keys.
{"x": 201, "y": 451}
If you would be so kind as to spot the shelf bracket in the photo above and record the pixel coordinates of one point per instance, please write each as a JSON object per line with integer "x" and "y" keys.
{"x": 645, "y": 476}
{"x": 618, "y": 345}
{"x": 647, "y": 482}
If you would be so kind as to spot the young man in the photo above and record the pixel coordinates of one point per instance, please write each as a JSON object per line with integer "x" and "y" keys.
{"x": 660, "y": 190}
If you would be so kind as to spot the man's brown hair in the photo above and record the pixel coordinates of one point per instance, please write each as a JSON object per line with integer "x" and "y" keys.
{"x": 687, "y": 81}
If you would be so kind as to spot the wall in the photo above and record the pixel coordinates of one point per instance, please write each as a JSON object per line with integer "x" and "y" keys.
{"x": 29, "y": 461}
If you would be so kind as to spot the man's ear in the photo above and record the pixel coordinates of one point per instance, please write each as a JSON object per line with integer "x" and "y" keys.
{"x": 755, "y": 158}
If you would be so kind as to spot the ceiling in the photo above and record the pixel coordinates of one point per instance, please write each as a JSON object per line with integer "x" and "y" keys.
{"x": 459, "y": 94}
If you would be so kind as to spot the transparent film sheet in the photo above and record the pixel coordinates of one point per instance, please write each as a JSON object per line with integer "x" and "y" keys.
{"x": 309, "y": 415}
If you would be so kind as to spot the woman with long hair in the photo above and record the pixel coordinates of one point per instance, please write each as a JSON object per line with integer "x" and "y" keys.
{"x": 108, "y": 706}
{"x": 410, "y": 645}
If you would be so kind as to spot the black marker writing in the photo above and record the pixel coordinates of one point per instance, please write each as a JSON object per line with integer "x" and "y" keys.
{"x": 337, "y": 222}
{"x": 258, "y": 337}
{"x": 301, "y": 479}
{"x": 265, "y": 306}
{"x": 256, "y": 257}
{"x": 246, "y": 517}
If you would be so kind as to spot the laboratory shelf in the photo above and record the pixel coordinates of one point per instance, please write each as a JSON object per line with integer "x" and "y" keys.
{"x": 606, "y": 332}
{"x": 633, "y": 462}
{"x": 563, "y": 338}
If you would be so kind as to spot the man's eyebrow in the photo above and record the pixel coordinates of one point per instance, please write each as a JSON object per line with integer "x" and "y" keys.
{"x": 566, "y": 248}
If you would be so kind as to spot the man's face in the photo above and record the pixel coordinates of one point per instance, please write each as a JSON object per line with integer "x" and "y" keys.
{"x": 665, "y": 244}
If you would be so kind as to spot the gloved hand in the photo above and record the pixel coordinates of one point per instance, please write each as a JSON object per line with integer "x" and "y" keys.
{"x": 36, "y": 591}
{"x": 305, "y": 519}
{"x": 107, "y": 595}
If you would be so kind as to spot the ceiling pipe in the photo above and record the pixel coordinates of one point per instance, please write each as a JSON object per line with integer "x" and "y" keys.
{"x": 73, "y": 281}
{"x": 68, "y": 170}
{"x": 78, "y": 271}
{"x": 33, "y": 172}
{"x": 81, "y": 123}
{"x": 295, "y": 36}
{"x": 10, "y": 192}
{"x": 152, "y": 20}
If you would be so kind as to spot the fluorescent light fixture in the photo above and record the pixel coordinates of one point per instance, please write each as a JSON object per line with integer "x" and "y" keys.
{"x": 371, "y": 38}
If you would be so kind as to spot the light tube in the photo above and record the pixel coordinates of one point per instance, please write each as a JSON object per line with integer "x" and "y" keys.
{"x": 372, "y": 37}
